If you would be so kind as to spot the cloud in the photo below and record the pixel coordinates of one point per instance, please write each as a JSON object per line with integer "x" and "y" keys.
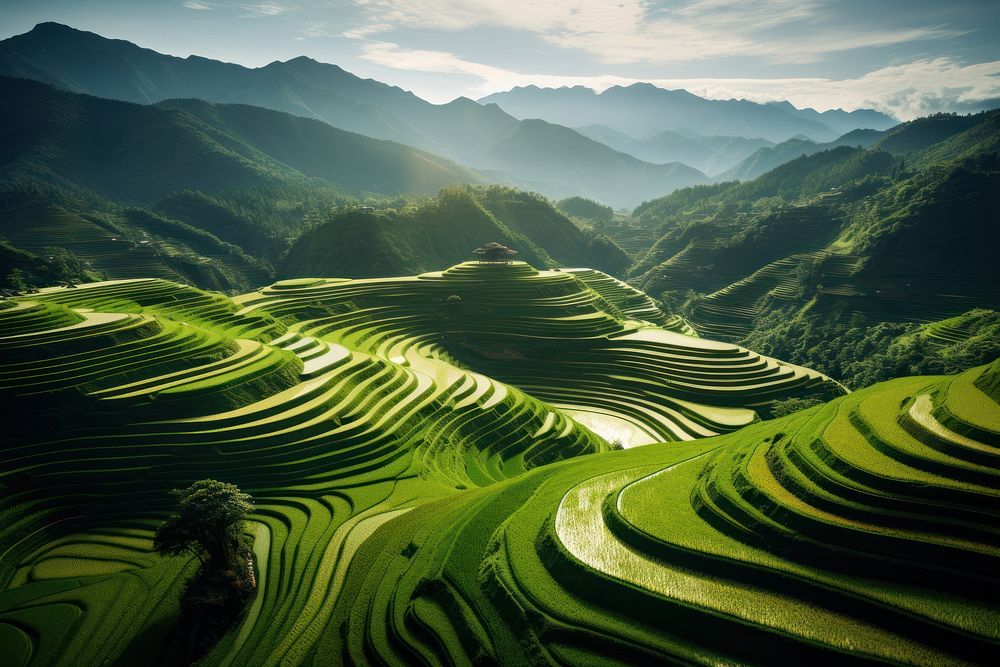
{"x": 640, "y": 31}
{"x": 904, "y": 91}
{"x": 366, "y": 31}
{"x": 191, "y": 4}
{"x": 420, "y": 60}
{"x": 253, "y": 11}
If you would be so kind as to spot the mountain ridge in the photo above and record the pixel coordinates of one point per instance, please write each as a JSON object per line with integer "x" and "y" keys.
{"x": 642, "y": 107}
{"x": 462, "y": 130}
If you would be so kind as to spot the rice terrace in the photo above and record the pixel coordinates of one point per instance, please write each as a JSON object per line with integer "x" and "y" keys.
{"x": 552, "y": 361}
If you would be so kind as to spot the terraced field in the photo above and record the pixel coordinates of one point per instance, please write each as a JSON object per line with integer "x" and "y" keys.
{"x": 342, "y": 406}
{"x": 547, "y": 333}
{"x": 129, "y": 250}
{"x": 38, "y": 227}
{"x": 864, "y": 530}
{"x": 729, "y": 312}
{"x": 630, "y": 302}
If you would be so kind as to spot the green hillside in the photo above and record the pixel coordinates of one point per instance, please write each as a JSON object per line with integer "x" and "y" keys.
{"x": 232, "y": 183}
{"x": 832, "y": 246}
{"x": 924, "y": 132}
{"x": 859, "y": 532}
{"x": 585, "y": 209}
{"x": 99, "y": 238}
{"x": 338, "y": 404}
{"x": 767, "y": 158}
{"x": 441, "y": 231}
{"x": 531, "y": 154}
{"x": 859, "y": 354}
{"x": 111, "y": 147}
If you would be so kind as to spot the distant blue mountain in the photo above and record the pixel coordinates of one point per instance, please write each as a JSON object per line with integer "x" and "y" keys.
{"x": 642, "y": 108}
{"x": 555, "y": 160}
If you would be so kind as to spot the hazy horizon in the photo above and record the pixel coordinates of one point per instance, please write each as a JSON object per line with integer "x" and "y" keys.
{"x": 905, "y": 59}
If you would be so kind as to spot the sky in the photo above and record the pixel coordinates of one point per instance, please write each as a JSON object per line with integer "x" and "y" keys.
{"x": 904, "y": 57}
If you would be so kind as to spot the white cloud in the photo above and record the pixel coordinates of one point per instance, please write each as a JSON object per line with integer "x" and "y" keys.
{"x": 191, "y": 4}
{"x": 259, "y": 10}
{"x": 904, "y": 91}
{"x": 640, "y": 31}
{"x": 366, "y": 31}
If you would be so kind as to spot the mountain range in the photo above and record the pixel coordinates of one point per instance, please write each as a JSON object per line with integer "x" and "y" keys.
{"x": 642, "y": 108}
{"x": 211, "y": 193}
{"x": 479, "y": 136}
{"x": 139, "y": 153}
{"x": 709, "y": 154}
{"x": 766, "y": 158}
{"x": 542, "y": 153}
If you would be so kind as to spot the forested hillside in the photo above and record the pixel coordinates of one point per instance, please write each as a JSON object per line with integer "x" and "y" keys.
{"x": 534, "y": 155}
{"x": 213, "y": 195}
{"x": 839, "y": 241}
{"x": 447, "y": 229}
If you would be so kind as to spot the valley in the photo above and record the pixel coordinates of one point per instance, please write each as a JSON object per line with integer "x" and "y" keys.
{"x": 301, "y": 368}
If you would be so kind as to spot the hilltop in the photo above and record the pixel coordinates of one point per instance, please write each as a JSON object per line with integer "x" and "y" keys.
{"x": 360, "y": 244}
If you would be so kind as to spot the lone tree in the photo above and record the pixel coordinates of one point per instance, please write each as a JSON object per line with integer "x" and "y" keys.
{"x": 495, "y": 253}
{"x": 209, "y": 524}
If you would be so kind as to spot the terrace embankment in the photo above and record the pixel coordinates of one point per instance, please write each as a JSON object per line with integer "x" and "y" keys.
{"x": 342, "y": 406}
{"x": 860, "y": 531}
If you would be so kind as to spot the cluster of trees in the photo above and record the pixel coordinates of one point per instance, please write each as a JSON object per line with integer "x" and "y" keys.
{"x": 585, "y": 209}
{"x": 860, "y": 354}
{"x": 23, "y": 270}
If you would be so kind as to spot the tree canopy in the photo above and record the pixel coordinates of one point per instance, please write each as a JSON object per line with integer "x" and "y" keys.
{"x": 207, "y": 524}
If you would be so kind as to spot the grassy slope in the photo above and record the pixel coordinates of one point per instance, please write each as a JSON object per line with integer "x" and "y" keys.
{"x": 337, "y": 404}
{"x": 833, "y": 536}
